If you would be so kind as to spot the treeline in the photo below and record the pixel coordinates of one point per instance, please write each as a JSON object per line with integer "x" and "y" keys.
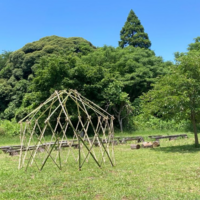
{"x": 113, "y": 78}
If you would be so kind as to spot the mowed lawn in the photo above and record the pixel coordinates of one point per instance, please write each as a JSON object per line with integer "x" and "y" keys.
{"x": 171, "y": 171}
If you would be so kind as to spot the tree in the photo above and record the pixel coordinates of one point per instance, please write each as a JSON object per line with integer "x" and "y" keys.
{"x": 107, "y": 76}
{"x": 5, "y": 95}
{"x": 4, "y": 58}
{"x": 133, "y": 33}
{"x": 128, "y": 72}
{"x": 195, "y": 45}
{"x": 177, "y": 94}
{"x": 18, "y": 67}
{"x": 118, "y": 101}
{"x": 116, "y": 77}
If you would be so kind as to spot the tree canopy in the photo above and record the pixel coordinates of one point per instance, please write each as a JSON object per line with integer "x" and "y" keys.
{"x": 195, "y": 45}
{"x": 133, "y": 33}
{"x": 177, "y": 94}
{"x": 17, "y": 68}
{"x": 111, "y": 77}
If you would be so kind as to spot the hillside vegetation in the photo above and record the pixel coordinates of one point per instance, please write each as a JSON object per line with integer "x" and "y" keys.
{"x": 18, "y": 69}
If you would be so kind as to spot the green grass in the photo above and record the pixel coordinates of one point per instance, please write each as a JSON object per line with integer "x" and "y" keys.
{"x": 171, "y": 171}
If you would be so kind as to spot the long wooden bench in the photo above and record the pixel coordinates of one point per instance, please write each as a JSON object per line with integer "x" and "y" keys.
{"x": 14, "y": 150}
{"x": 7, "y": 148}
{"x": 126, "y": 139}
{"x": 171, "y": 137}
{"x": 115, "y": 142}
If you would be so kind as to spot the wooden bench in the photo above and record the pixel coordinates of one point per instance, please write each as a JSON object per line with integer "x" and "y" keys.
{"x": 115, "y": 142}
{"x": 7, "y": 148}
{"x": 69, "y": 145}
{"x": 123, "y": 140}
{"x": 41, "y": 148}
{"x": 171, "y": 137}
{"x": 14, "y": 152}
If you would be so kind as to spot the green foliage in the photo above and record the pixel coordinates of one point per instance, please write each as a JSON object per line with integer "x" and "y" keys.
{"x": 154, "y": 123}
{"x": 9, "y": 128}
{"x": 17, "y": 68}
{"x": 4, "y": 57}
{"x": 195, "y": 46}
{"x": 5, "y": 95}
{"x": 133, "y": 33}
{"x": 178, "y": 94}
{"x": 26, "y": 57}
{"x": 110, "y": 77}
{"x": 113, "y": 78}
{"x": 118, "y": 101}
{"x": 134, "y": 69}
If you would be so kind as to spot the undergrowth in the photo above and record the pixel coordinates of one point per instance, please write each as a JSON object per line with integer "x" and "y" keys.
{"x": 9, "y": 128}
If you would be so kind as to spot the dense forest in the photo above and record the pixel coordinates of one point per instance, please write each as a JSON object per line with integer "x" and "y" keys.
{"x": 129, "y": 81}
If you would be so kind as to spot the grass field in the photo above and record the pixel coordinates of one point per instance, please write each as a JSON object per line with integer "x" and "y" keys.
{"x": 171, "y": 171}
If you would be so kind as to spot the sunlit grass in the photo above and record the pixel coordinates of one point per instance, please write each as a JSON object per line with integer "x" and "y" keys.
{"x": 171, "y": 171}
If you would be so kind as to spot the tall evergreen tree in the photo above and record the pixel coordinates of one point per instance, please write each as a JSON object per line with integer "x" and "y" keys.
{"x": 133, "y": 33}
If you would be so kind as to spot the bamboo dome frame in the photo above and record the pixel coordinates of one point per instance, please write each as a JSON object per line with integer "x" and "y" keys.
{"x": 35, "y": 150}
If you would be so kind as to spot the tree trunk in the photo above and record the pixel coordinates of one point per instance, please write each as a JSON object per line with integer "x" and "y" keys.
{"x": 120, "y": 123}
{"x": 118, "y": 115}
{"x": 84, "y": 118}
{"x": 195, "y": 129}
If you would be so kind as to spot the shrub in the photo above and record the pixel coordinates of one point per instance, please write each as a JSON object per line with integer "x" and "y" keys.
{"x": 154, "y": 123}
{"x": 9, "y": 128}
{"x": 2, "y": 132}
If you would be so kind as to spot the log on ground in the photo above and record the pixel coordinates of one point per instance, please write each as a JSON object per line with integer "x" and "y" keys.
{"x": 147, "y": 145}
{"x": 156, "y": 144}
{"x": 135, "y": 146}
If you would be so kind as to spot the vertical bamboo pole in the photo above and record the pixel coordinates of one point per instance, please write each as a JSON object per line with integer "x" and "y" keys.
{"x": 79, "y": 152}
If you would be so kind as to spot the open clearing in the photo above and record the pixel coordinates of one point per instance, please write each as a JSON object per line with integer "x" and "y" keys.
{"x": 171, "y": 171}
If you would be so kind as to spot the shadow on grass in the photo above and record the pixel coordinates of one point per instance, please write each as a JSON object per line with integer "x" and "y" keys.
{"x": 188, "y": 148}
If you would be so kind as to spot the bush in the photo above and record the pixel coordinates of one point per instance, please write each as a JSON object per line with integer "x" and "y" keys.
{"x": 2, "y": 132}
{"x": 9, "y": 128}
{"x": 154, "y": 123}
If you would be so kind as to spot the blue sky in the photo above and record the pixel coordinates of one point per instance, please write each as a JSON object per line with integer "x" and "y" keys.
{"x": 170, "y": 24}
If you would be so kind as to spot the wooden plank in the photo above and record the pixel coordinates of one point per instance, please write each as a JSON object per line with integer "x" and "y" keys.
{"x": 125, "y": 139}
{"x": 10, "y": 147}
{"x": 169, "y": 136}
{"x": 153, "y": 136}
